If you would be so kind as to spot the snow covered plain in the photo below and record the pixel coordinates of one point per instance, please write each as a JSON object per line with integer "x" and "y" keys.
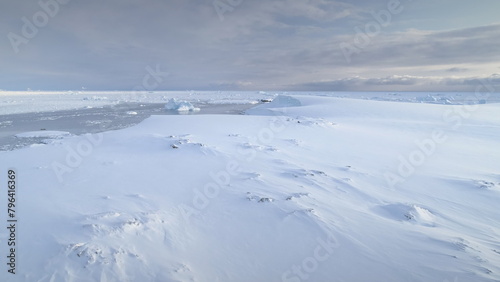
{"x": 306, "y": 188}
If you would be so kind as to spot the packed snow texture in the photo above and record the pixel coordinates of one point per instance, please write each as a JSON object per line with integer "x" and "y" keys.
{"x": 304, "y": 188}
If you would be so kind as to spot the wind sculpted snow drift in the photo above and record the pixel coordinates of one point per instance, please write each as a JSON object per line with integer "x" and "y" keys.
{"x": 301, "y": 189}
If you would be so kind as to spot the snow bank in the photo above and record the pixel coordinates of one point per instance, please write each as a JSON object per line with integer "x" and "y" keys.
{"x": 277, "y": 105}
{"x": 285, "y": 101}
{"x": 180, "y": 106}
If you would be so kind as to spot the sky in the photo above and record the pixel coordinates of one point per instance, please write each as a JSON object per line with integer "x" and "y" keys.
{"x": 281, "y": 45}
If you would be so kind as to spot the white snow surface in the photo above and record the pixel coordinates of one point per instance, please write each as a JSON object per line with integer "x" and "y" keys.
{"x": 304, "y": 188}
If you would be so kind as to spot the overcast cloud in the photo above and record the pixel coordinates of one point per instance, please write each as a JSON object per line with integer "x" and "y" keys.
{"x": 249, "y": 45}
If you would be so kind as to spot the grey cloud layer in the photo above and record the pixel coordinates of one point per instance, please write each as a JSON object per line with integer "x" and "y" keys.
{"x": 286, "y": 44}
{"x": 401, "y": 83}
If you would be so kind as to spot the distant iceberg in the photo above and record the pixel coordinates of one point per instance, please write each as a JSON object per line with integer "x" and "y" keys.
{"x": 180, "y": 106}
